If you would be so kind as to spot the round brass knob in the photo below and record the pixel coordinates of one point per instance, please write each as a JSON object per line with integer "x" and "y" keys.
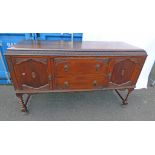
{"x": 33, "y": 75}
{"x": 94, "y": 82}
{"x": 23, "y": 74}
{"x": 65, "y": 68}
{"x": 97, "y": 67}
{"x": 66, "y": 84}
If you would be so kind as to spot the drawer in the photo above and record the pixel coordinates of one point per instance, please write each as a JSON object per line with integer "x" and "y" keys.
{"x": 80, "y": 82}
{"x": 80, "y": 66}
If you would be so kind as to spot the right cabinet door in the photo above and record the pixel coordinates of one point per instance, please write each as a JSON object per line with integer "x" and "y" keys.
{"x": 124, "y": 71}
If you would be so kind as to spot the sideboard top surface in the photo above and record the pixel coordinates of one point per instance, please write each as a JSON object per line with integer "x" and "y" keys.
{"x": 31, "y": 47}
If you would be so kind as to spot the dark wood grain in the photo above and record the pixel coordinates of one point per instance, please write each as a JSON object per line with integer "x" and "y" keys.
{"x": 30, "y": 47}
{"x": 31, "y": 73}
{"x": 81, "y": 66}
{"x": 81, "y": 82}
{"x": 79, "y": 46}
{"x": 44, "y": 66}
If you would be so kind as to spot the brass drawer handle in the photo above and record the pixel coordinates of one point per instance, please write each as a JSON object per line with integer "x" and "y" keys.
{"x": 23, "y": 74}
{"x": 65, "y": 68}
{"x": 66, "y": 84}
{"x": 97, "y": 67}
{"x": 33, "y": 75}
{"x": 94, "y": 83}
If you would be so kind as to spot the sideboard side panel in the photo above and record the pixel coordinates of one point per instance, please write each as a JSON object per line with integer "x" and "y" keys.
{"x": 11, "y": 70}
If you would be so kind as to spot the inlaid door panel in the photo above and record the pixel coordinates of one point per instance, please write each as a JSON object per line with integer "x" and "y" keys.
{"x": 32, "y": 73}
{"x": 81, "y": 82}
{"x": 80, "y": 66}
{"x": 125, "y": 71}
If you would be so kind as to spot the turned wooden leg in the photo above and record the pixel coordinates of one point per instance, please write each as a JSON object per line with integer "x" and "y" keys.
{"x": 124, "y": 100}
{"x": 23, "y": 106}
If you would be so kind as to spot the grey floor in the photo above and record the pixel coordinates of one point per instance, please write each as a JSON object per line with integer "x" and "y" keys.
{"x": 80, "y": 106}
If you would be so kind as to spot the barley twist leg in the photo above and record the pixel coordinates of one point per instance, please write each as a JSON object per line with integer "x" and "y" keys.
{"x": 22, "y": 105}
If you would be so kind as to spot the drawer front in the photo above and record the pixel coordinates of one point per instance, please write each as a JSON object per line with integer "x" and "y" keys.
{"x": 80, "y": 82}
{"x": 80, "y": 66}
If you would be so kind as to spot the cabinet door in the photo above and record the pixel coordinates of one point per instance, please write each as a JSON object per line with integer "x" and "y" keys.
{"x": 125, "y": 71}
{"x": 32, "y": 73}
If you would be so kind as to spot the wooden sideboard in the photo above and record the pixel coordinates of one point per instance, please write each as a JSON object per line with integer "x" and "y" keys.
{"x": 51, "y": 66}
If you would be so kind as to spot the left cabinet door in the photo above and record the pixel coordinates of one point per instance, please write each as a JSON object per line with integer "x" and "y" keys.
{"x": 32, "y": 73}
